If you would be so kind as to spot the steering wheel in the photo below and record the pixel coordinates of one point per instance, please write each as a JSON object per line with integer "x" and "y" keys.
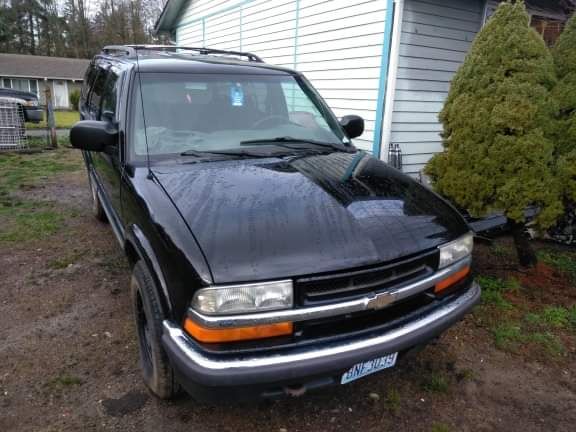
{"x": 272, "y": 119}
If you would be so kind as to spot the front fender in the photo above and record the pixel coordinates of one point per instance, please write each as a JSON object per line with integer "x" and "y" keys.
{"x": 136, "y": 240}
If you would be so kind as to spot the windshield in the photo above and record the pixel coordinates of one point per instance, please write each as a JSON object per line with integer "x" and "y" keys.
{"x": 179, "y": 113}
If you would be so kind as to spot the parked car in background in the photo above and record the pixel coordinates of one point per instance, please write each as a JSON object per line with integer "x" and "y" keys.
{"x": 29, "y": 101}
{"x": 270, "y": 257}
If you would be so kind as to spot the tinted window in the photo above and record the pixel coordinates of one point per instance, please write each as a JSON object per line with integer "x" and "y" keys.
{"x": 199, "y": 112}
{"x": 96, "y": 94}
{"x": 109, "y": 95}
{"x": 89, "y": 77}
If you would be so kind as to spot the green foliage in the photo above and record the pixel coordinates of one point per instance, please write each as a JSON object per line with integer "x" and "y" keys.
{"x": 75, "y": 99}
{"x": 565, "y": 92}
{"x": 565, "y": 96}
{"x": 497, "y": 120}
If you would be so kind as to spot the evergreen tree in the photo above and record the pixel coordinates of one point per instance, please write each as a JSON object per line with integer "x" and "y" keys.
{"x": 497, "y": 120}
{"x": 564, "y": 93}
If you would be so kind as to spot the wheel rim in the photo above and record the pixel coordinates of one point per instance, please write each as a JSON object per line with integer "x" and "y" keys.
{"x": 144, "y": 336}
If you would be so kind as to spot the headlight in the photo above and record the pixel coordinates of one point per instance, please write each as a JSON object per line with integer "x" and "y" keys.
{"x": 236, "y": 299}
{"x": 456, "y": 250}
{"x": 31, "y": 103}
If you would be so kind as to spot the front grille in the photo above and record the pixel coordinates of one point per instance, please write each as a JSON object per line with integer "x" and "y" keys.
{"x": 349, "y": 284}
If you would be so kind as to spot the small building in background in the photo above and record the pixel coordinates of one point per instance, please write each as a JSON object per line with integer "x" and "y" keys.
{"x": 35, "y": 73}
{"x": 390, "y": 61}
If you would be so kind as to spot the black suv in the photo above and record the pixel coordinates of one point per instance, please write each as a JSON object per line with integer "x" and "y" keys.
{"x": 269, "y": 255}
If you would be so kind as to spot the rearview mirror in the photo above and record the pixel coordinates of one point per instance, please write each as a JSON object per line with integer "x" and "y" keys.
{"x": 93, "y": 135}
{"x": 353, "y": 125}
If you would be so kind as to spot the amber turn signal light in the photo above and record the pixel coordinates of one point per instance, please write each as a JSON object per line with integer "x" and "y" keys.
{"x": 207, "y": 335}
{"x": 452, "y": 279}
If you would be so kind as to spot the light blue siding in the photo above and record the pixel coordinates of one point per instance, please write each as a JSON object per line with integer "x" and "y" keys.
{"x": 436, "y": 35}
{"x": 340, "y": 45}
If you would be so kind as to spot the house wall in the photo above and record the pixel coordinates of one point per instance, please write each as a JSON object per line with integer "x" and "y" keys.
{"x": 340, "y": 45}
{"x": 344, "y": 48}
{"x": 435, "y": 37}
{"x": 72, "y": 85}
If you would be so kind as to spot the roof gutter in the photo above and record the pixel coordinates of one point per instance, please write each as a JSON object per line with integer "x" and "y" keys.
{"x": 167, "y": 20}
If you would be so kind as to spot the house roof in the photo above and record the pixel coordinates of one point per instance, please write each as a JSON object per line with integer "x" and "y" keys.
{"x": 168, "y": 17}
{"x": 172, "y": 9}
{"x": 29, "y": 66}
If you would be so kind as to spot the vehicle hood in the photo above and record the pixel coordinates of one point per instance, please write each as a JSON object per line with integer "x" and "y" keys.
{"x": 274, "y": 218}
{"x": 17, "y": 94}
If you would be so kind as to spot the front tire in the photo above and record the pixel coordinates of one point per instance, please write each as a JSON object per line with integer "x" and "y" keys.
{"x": 156, "y": 370}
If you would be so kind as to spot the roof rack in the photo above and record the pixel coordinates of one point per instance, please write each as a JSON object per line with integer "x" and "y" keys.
{"x": 132, "y": 51}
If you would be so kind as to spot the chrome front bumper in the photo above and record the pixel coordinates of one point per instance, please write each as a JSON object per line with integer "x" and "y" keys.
{"x": 370, "y": 301}
{"x": 212, "y": 370}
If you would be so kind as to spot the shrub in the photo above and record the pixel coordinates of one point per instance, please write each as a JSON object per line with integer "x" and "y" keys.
{"x": 75, "y": 99}
{"x": 497, "y": 121}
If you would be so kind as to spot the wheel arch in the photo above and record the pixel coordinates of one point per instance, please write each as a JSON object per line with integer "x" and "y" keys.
{"x": 138, "y": 248}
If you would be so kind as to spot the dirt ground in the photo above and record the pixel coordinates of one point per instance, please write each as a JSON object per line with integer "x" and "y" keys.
{"x": 68, "y": 357}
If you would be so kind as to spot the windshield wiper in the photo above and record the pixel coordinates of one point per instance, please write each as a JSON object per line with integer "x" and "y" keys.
{"x": 288, "y": 139}
{"x": 241, "y": 153}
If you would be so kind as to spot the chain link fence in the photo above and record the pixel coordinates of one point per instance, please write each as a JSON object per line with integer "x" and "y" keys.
{"x": 12, "y": 127}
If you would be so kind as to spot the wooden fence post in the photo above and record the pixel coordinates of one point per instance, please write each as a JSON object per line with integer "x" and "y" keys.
{"x": 50, "y": 121}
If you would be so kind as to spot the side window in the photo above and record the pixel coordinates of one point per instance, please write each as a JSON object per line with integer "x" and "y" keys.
{"x": 95, "y": 97}
{"x": 88, "y": 83}
{"x": 109, "y": 95}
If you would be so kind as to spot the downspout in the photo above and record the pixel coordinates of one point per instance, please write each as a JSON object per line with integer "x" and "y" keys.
{"x": 392, "y": 74}
{"x": 384, "y": 65}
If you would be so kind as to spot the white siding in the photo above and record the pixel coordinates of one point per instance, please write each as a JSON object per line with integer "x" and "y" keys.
{"x": 436, "y": 35}
{"x": 337, "y": 44}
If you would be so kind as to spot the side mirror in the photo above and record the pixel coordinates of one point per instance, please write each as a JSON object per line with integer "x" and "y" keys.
{"x": 93, "y": 135}
{"x": 353, "y": 125}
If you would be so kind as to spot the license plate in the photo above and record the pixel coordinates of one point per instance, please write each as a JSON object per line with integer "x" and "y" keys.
{"x": 360, "y": 370}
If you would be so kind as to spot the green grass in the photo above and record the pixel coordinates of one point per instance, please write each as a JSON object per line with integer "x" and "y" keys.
{"x": 21, "y": 170}
{"x": 500, "y": 251}
{"x": 29, "y": 221}
{"x": 63, "y": 381}
{"x": 507, "y": 336}
{"x": 65, "y": 261}
{"x": 547, "y": 341}
{"x": 64, "y": 120}
{"x": 393, "y": 400}
{"x": 440, "y": 427}
{"x": 553, "y": 317}
{"x": 493, "y": 290}
{"x": 564, "y": 262}
{"x": 510, "y": 336}
{"x": 22, "y": 219}
{"x": 435, "y": 382}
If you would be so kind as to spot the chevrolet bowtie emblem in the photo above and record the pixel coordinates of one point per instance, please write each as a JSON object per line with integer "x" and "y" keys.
{"x": 379, "y": 301}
